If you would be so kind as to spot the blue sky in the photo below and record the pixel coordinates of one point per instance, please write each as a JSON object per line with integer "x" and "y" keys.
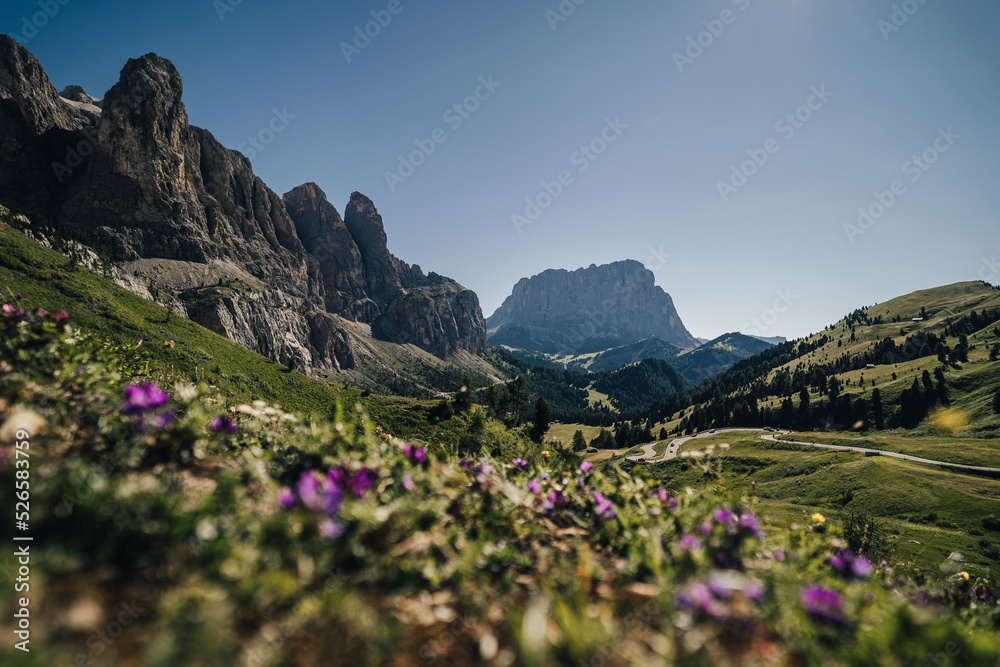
{"x": 767, "y": 252}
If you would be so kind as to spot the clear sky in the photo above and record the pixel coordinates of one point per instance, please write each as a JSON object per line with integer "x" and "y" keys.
{"x": 665, "y": 121}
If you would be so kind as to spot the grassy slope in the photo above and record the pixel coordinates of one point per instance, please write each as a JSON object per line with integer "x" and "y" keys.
{"x": 794, "y": 483}
{"x": 969, "y": 384}
{"x": 901, "y": 492}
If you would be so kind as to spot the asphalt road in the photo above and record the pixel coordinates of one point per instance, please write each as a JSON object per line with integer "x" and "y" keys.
{"x": 674, "y": 447}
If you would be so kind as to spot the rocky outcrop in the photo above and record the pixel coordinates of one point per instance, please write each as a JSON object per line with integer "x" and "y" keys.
{"x": 325, "y": 236}
{"x": 79, "y": 95}
{"x": 25, "y": 84}
{"x": 434, "y": 318}
{"x": 280, "y": 275}
{"x": 401, "y": 303}
{"x": 587, "y": 310}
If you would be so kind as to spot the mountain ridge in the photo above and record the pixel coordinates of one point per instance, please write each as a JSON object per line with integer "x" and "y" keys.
{"x": 139, "y": 184}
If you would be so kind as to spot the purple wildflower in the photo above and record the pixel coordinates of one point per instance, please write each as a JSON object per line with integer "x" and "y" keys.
{"x": 725, "y": 517}
{"x": 286, "y": 498}
{"x": 140, "y": 398}
{"x": 534, "y": 486}
{"x": 13, "y": 313}
{"x": 748, "y": 522}
{"x": 753, "y": 589}
{"x": 688, "y": 542}
{"x": 604, "y": 508}
{"x": 861, "y": 567}
{"x": 672, "y": 503}
{"x": 779, "y": 555}
{"x": 416, "y": 454}
{"x": 699, "y": 597}
{"x": 223, "y": 424}
{"x": 308, "y": 491}
{"x": 706, "y": 528}
{"x": 164, "y": 420}
{"x": 822, "y": 605}
{"x": 408, "y": 482}
{"x": 586, "y": 467}
{"x": 851, "y": 566}
{"x": 519, "y": 463}
{"x": 19, "y": 296}
{"x": 556, "y": 499}
{"x": 330, "y": 528}
{"x": 62, "y": 317}
{"x": 331, "y": 499}
{"x": 357, "y": 482}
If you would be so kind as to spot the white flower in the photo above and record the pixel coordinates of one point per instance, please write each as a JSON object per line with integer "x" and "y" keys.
{"x": 185, "y": 391}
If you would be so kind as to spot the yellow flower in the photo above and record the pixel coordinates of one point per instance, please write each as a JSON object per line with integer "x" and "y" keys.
{"x": 545, "y": 453}
{"x": 964, "y": 576}
{"x": 818, "y": 519}
{"x": 169, "y": 344}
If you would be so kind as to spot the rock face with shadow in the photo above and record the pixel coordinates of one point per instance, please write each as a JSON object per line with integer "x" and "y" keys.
{"x": 283, "y": 276}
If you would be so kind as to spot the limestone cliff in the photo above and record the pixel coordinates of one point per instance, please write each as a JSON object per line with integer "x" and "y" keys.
{"x": 281, "y": 275}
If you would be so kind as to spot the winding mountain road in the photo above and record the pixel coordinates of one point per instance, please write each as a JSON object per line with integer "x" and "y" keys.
{"x": 674, "y": 447}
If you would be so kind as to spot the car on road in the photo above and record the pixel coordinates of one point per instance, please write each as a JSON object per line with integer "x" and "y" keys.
{"x": 712, "y": 431}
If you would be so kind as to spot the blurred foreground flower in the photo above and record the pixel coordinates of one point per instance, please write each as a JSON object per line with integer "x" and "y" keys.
{"x": 223, "y": 424}
{"x": 822, "y": 605}
{"x": 141, "y": 398}
{"x": 851, "y": 566}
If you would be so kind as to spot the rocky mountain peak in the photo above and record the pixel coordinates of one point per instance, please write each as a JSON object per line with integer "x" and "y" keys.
{"x": 365, "y": 223}
{"x": 79, "y": 95}
{"x": 144, "y": 117}
{"x": 315, "y": 212}
{"x": 587, "y": 310}
{"x": 23, "y": 81}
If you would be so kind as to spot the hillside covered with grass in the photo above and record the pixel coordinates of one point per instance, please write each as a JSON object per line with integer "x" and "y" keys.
{"x": 181, "y": 523}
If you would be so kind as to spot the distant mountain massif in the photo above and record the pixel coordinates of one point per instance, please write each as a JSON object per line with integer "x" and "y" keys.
{"x": 603, "y": 318}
